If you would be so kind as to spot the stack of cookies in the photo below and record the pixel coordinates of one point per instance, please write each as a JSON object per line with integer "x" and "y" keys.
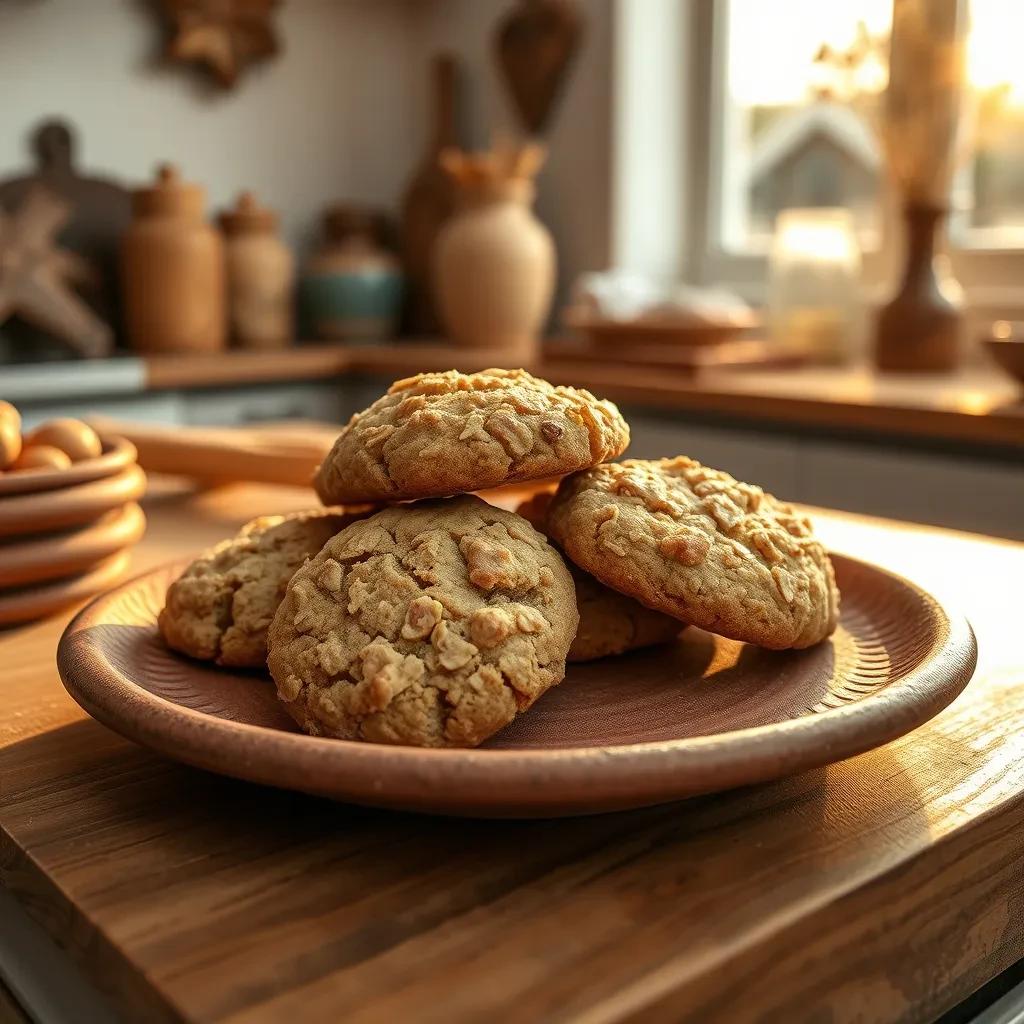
{"x": 411, "y": 611}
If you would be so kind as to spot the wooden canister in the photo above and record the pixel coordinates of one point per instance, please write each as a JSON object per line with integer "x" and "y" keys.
{"x": 172, "y": 270}
{"x": 261, "y": 276}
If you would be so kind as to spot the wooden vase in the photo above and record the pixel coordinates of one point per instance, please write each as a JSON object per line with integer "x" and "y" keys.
{"x": 172, "y": 271}
{"x": 919, "y": 330}
{"x": 495, "y": 269}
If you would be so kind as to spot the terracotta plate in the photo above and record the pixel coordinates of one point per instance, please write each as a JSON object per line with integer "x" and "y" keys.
{"x": 117, "y": 454}
{"x": 701, "y": 715}
{"x": 22, "y": 514}
{"x": 49, "y": 556}
{"x": 26, "y": 604}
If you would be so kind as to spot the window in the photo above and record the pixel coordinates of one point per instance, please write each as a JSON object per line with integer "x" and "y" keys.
{"x": 785, "y": 100}
{"x": 798, "y": 128}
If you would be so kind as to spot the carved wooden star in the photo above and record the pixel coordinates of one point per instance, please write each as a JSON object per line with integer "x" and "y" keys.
{"x": 224, "y": 35}
{"x": 35, "y": 275}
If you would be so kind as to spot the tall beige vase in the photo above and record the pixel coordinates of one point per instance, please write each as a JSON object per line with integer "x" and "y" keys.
{"x": 494, "y": 264}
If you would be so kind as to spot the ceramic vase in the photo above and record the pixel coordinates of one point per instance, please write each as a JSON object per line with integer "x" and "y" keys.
{"x": 494, "y": 268}
{"x": 172, "y": 270}
{"x": 352, "y": 287}
{"x": 261, "y": 277}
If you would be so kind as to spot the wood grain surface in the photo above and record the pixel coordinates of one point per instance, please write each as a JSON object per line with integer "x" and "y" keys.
{"x": 886, "y": 888}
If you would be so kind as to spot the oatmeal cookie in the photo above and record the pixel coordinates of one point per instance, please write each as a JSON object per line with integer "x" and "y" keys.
{"x": 431, "y": 624}
{"x": 221, "y": 605}
{"x": 699, "y": 545}
{"x": 610, "y": 622}
{"x": 450, "y": 433}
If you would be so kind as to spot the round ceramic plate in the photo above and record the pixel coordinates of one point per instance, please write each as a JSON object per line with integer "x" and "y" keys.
{"x": 26, "y": 604}
{"x": 117, "y": 454}
{"x": 52, "y": 555}
{"x": 22, "y": 514}
{"x": 699, "y": 715}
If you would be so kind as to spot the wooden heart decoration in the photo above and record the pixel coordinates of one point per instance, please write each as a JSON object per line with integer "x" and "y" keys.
{"x": 536, "y": 45}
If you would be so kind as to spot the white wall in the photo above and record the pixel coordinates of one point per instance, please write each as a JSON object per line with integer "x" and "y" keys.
{"x": 333, "y": 117}
{"x": 339, "y": 115}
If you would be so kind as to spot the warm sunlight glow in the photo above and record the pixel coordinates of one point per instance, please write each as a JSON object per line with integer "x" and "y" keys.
{"x": 994, "y": 46}
{"x": 772, "y": 46}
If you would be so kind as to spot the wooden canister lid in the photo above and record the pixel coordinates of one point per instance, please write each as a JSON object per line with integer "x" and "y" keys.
{"x": 170, "y": 195}
{"x": 247, "y": 215}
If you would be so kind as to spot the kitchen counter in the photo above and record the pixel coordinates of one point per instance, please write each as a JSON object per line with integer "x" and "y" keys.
{"x": 977, "y": 408}
{"x": 887, "y": 888}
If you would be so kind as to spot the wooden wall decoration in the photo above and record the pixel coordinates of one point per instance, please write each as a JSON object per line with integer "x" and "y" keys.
{"x": 224, "y": 36}
{"x": 36, "y": 275}
{"x": 100, "y": 209}
{"x": 536, "y": 44}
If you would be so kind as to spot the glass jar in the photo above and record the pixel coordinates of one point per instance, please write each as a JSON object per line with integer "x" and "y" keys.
{"x": 815, "y": 301}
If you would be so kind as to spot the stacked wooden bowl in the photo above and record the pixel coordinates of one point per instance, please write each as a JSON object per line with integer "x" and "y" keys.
{"x": 68, "y": 515}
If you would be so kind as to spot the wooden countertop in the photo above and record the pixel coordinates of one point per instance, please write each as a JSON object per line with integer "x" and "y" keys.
{"x": 978, "y": 407}
{"x": 885, "y": 888}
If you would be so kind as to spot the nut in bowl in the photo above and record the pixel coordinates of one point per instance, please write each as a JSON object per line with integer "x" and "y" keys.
{"x": 68, "y": 514}
{"x": 588, "y": 649}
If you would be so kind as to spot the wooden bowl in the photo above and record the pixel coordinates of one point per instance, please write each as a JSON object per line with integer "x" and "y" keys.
{"x": 1007, "y": 349}
{"x": 26, "y": 604}
{"x": 695, "y": 716}
{"x": 55, "y": 555}
{"x": 118, "y": 454}
{"x": 22, "y": 514}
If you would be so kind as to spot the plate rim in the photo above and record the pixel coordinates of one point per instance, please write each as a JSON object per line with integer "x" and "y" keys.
{"x": 647, "y": 772}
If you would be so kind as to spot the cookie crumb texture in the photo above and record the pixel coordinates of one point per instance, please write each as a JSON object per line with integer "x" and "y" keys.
{"x": 698, "y": 544}
{"x": 221, "y": 606}
{"x": 448, "y": 433}
{"x": 431, "y": 625}
{"x": 610, "y": 623}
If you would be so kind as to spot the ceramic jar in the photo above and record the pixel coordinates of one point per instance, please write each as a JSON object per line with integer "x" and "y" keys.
{"x": 352, "y": 287}
{"x": 172, "y": 270}
{"x": 260, "y": 274}
{"x": 494, "y": 268}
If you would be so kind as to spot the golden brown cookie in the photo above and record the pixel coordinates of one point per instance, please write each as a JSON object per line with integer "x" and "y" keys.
{"x": 431, "y": 624}
{"x": 221, "y": 605}
{"x": 610, "y": 622}
{"x": 450, "y": 433}
{"x": 699, "y": 545}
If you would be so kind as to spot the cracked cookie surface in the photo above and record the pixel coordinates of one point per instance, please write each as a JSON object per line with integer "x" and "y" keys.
{"x": 221, "y": 606}
{"x": 698, "y": 544}
{"x": 448, "y": 433}
{"x": 610, "y": 623}
{"x": 431, "y": 624}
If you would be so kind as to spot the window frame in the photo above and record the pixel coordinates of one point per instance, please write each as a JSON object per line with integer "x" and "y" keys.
{"x": 992, "y": 275}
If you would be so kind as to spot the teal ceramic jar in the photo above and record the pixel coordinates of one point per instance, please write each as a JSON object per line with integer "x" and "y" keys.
{"x": 352, "y": 287}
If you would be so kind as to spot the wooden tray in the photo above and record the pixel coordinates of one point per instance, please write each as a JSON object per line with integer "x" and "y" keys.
{"x": 645, "y": 331}
{"x": 51, "y": 556}
{"x": 23, "y": 514}
{"x": 26, "y": 604}
{"x": 118, "y": 453}
{"x": 751, "y": 353}
{"x": 701, "y": 715}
